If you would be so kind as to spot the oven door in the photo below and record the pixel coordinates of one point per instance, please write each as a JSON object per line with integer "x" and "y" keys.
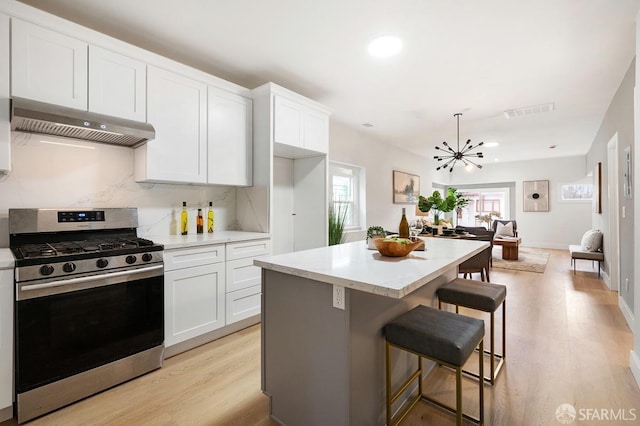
{"x": 66, "y": 327}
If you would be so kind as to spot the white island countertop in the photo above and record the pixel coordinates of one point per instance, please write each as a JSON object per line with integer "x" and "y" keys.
{"x": 353, "y": 266}
{"x": 194, "y": 240}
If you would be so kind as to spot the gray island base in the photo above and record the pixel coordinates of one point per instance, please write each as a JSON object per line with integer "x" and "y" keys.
{"x": 323, "y": 365}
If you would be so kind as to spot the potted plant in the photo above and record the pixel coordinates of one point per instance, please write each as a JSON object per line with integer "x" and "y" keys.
{"x": 438, "y": 205}
{"x": 337, "y": 218}
{"x": 373, "y": 232}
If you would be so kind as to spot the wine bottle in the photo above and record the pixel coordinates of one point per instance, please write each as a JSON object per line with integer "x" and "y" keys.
{"x": 199, "y": 222}
{"x": 404, "y": 225}
{"x": 184, "y": 219}
{"x": 210, "y": 218}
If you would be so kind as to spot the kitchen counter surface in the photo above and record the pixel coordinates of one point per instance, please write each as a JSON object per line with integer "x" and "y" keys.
{"x": 194, "y": 240}
{"x": 6, "y": 259}
{"x": 353, "y": 266}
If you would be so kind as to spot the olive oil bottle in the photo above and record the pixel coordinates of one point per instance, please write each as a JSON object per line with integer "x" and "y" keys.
{"x": 199, "y": 222}
{"x": 210, "y": 218}
{"x": 184, "y": 219}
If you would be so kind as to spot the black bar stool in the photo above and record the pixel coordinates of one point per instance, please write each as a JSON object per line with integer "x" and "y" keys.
{"x": 484, "y": 297}
{"x": 444, "y": 337}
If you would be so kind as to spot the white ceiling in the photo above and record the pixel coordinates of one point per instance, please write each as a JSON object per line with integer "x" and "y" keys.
{"x": 477, "y": 57}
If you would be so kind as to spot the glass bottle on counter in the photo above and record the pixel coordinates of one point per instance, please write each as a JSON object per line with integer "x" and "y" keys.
{"x": 403, "y": 232}
{"x": 184, "y": 220}
{"x": 210, "y": 218}
{"x": 199, "y": 222}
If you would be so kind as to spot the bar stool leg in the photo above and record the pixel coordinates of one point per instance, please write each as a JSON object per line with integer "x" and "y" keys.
{"x": 388, "y": 373}
{"x": 459, "y": 396}
{"x": 481, "y": 381}
{"x": 492, "y": 348}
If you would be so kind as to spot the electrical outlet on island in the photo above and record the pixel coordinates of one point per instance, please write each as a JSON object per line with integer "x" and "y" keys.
{"x": 338, "y": 296}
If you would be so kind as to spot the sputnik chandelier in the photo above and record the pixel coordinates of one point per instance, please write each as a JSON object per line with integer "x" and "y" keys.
{"x": 450, "y": 157}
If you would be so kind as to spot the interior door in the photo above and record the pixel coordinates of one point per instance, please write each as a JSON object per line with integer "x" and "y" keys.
{"x": 283, "y": 210}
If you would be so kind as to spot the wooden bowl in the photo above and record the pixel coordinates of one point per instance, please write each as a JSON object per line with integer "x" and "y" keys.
{"x": 397, "y": 247}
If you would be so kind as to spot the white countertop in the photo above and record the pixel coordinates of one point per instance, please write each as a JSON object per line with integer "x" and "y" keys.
{"x": 194, "y": 240}
{"x": 6, "y": 259}
{"x": 352, "y": 265}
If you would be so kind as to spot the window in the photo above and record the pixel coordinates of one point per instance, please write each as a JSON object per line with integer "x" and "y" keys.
{"x": 485, "y": 204}
{"x": 347, "y": 183}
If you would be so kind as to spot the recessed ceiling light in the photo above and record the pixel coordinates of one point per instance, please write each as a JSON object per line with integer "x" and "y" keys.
{"x": 491, "y": 144}
{"x": 553, "y": 146}
{"x": 385, "y": 46}
{"x": 367, "y": 125}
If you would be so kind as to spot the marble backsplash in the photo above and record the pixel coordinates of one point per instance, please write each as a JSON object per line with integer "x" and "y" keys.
{"x": 51, "y": 172}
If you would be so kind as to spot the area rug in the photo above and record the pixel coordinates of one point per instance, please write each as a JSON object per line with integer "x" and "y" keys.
{"x": 529, "y": 259}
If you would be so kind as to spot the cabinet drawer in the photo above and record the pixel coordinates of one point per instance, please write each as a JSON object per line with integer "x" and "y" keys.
{"x": 243, "y": 304}
{"x": 190, "y": 257}
{"x": 243, "y": 249}
{"x": 242, "y": 274}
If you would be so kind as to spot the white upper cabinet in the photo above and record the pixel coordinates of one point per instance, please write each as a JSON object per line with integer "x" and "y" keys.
{"x": 177, "y": 109}
{"x": 5, "y": 128}
{"x": 47, "y": 66}
{"x": 287, "y": 122}
{"x": 117, "y": 85}
{"x": 230, "y": 139}
{"x": 300, "y": 126}
{"x": 315, "y": 126}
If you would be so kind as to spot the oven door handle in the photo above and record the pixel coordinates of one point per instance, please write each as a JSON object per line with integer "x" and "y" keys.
{"x": 81, "y": 280}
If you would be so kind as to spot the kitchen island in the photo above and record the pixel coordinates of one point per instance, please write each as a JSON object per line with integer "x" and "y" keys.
{"x": 325, "y": 365}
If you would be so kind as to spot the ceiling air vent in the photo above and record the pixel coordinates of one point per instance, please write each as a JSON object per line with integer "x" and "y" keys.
{"x": 535, "y": 109}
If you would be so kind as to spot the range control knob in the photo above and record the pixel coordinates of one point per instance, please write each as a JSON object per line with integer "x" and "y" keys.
{"x": 130, "y": 259}
{"x": 147, "y": 257}
{"x": 102, "y": 263}
{"x": 46, "y": 270}
{"x": 69, "y": 267}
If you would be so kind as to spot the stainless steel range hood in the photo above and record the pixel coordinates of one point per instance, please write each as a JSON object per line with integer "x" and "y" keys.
{"x": 39, "y": 117}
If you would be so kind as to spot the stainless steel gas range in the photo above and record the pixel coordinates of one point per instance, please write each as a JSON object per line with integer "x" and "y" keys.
{"x": 89, "y": 304}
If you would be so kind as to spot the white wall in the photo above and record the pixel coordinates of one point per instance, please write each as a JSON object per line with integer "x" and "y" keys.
{"x": 564, "y": 223}
{"x": 89, "y": 174}
{"x": 379, "y": 160}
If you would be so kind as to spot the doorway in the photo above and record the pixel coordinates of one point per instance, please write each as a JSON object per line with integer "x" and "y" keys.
{"x": 612, "y": 249}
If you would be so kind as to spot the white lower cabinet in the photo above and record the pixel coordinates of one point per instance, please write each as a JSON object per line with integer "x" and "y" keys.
{"x": 243, "y": 289}
{"x": 6, "y": 339}
{"x": 209, "y": 287}
{"x": 244, "y": 281}
{"x": 195, "y": 294}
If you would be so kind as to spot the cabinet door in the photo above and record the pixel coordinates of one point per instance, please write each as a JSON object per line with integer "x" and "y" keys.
{"x": 316, "y": 131}
{"x": 6, "y": 338}
{"x": 194, "y": 302}
{"x": 117, "y": 85}
{"x": 5, "y": 127}
{"x": 287, "y": 122}
{"x": 177, "y": 109}
{"x": 47, "y": 66}
{"x": 230, "y": 141}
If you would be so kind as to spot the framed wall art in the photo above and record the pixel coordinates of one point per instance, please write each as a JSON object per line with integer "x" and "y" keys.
{"x": 536, "y": 195}
{"x": 406, "y": 188}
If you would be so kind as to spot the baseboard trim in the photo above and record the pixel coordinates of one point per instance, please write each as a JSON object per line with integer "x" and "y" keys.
{"x": 634, "y": 363}
{"x": 210, "y": 336}
{"x": 626, "y": 313}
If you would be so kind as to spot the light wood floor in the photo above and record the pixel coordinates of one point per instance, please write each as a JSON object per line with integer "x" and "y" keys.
{"x": 567, "y": 342}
